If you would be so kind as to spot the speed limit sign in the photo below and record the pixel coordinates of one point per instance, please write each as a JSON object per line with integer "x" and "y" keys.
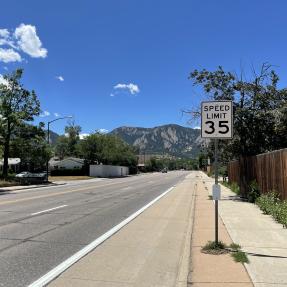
{"x": 217, "y": 120}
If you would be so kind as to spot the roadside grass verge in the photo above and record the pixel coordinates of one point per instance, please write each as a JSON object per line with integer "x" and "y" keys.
{"x": 72, "y": 177}
{"x": 8, "y": 183}
{"x": 234, "y": 187}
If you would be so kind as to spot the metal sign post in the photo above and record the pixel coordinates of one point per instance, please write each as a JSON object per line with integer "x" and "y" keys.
{"x": 216, "y": 184}
{"x": 216, "y": 123}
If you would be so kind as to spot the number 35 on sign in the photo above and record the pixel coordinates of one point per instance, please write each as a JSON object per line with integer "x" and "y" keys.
{"x": 217, "y": 120}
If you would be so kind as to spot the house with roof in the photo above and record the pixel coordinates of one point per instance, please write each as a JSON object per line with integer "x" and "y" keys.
{"x": 66, "y": 163}
{"x": 13, "y": 164}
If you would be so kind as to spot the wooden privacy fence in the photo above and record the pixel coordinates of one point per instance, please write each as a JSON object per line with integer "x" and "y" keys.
{"x": 268, "y": 169}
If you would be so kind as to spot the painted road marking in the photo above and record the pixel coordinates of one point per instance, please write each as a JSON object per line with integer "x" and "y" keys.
{"x": 126, "y": 188}
{"x": 47, "y": 210}
{"x": 59, "y": 193}
{"x": 51, "y": 275}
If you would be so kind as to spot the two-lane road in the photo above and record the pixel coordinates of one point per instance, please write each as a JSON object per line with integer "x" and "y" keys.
{"x": 40, "y": 228}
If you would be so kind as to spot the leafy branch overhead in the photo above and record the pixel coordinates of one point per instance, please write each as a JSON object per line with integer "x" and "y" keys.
{"x": 260, "y": 108}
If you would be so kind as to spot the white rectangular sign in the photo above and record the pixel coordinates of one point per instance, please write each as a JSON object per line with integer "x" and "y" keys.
{"x": 216, "y": 192}
{"x": 217, "y": 120}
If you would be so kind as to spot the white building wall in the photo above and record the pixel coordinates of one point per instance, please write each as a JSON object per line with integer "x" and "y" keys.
{"x": 108, "y": 170}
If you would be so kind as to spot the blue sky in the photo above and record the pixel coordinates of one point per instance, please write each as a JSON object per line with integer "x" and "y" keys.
{"x": 126, "y": 62}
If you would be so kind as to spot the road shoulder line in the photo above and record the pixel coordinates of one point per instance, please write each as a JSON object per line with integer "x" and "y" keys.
{"x": 55, "y": 272}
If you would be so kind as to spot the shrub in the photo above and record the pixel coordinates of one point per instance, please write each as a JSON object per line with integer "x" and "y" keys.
{"x": 233, "y": 186}
{"x": 253, "y": 191}
{"x": 270, "y": 204}
{"x": 280, "y": 213}
{"x": 267, "y": 202}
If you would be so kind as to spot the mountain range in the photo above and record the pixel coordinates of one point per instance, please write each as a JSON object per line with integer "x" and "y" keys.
{"x": 169, "y": 139}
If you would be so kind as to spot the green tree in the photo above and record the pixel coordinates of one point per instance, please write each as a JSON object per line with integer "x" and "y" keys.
{"x": 259, "y": 109}
{"x": 91, "y": 148}
{"x": 107, "y": 149}
{"x": 62, "y": 147}
{"x": 29, "y": 143}
{"x": 68, "y": 144}
{"x": 73, "y": 133}
{"x": 17, "y": 105}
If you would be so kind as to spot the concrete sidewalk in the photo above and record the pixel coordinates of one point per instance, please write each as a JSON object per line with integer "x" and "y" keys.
{"x": 152, "y": 250}
{"x": 24, "y": 187}
{"x": 264, "y": 240}
{"x": 212, "y": 270}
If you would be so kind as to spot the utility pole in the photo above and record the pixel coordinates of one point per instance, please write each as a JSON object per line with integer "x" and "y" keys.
{"x": 48, "y": 141}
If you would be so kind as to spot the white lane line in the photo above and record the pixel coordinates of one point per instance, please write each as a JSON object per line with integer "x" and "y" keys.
{"x": 126, "y": 188}
{"x": 47, "y": 210}
{"x": 51, "y": 275}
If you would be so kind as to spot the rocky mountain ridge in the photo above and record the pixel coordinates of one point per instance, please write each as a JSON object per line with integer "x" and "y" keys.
{"x": 167, "y": 139}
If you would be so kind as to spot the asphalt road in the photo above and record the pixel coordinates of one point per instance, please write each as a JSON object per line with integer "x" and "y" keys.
{"x": 40, "y": 228}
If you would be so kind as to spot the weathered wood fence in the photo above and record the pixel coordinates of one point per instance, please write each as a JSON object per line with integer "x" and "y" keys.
{"x": 268, "y": 169}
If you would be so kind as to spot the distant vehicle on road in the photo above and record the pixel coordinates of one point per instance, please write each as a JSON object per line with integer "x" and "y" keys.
{"x": 164, "y": 170}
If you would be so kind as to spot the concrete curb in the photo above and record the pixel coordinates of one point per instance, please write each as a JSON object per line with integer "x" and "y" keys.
{"x": 189, "y": 275}
{"x": 15, "y": 188}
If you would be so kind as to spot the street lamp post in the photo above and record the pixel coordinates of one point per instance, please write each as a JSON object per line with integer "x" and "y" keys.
{"x": 48, "y": 140}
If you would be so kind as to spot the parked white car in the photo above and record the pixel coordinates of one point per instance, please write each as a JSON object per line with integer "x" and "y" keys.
{"x": 30, "y": 174}
{"x": 24, "y": 174}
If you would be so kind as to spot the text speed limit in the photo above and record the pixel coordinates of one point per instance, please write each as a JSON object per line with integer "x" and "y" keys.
{"x": 217, "y": 119}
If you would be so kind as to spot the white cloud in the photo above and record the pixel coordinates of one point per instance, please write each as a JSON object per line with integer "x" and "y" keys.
{"x": 29, "y": 42}
{"x": 132, "y": 88}
{"x": 45, "y": 114}
{"x": 84, "y": 135}
{"x": 3, "y": 81}
{"x": 5, "y": 68}
{"x": 197, "y": 128}
{"x": 5, "y": 38}
{"x": 4, "y": 33}
{"x": 56, "y": 115}
{"x": 60, "y": 78}
{"x": 9, "y": 55}
{"x": 112, "y": 95}
{"x": 24, "y": 39}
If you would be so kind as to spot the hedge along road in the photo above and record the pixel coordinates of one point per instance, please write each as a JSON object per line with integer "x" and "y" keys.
{"x": 41, "y": 228}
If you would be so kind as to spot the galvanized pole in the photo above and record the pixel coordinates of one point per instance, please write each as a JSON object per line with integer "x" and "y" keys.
{"x": 47, "y": 162}
{"x": 216, "y": 182}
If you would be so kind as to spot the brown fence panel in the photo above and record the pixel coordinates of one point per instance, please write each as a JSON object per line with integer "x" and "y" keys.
{"x": 269, "y": 170}
{"x": 233, "y": 171}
